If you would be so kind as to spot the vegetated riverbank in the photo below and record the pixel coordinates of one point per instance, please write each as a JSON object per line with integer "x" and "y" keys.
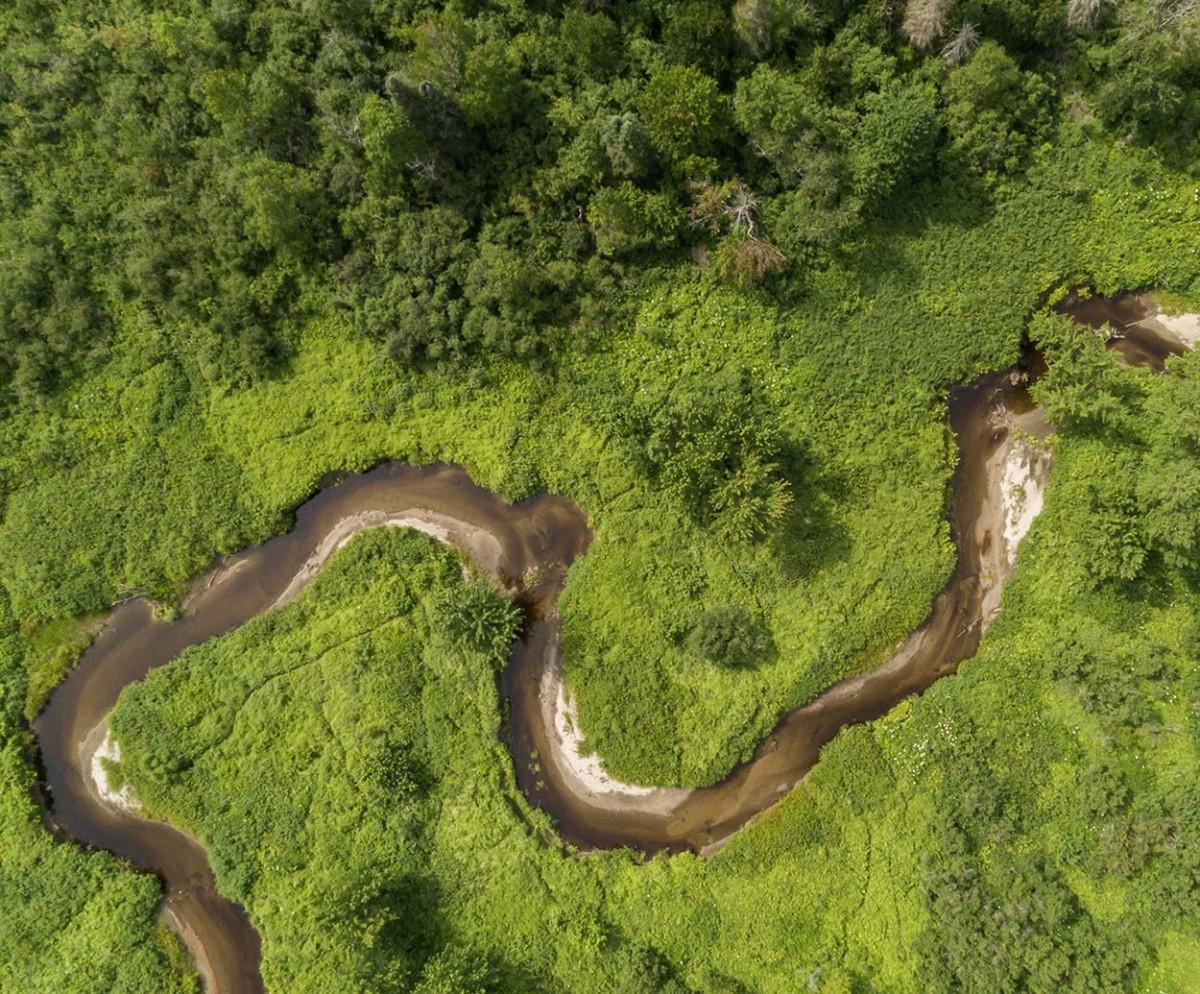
{"x": 539, "y": 539}
{"x": 1138, "y": 326}
{"x": 145, "y": 451}
{"x": 513, "y": 541}
{"x": 999, "y": 480}
{"x": 1002, "y": 508}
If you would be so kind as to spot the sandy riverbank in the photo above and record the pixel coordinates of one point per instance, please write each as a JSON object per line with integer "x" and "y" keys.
{"x": 583, "y": 774}
{"x": 1013, "y": 482}
{"x": 1022, "y": 489}
{"x": 194, "y": 944}
{"x": 97, "y": 747}
{"x": 1011, "y": 488}
{"x": 1184, "y": 328}
{"x": 482, "y": 547}
{"x": 576, "y": 788}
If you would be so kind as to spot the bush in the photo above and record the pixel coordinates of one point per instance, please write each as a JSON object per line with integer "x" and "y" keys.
{"x": 476, "y": 617}
{"x": 731, "y": 637}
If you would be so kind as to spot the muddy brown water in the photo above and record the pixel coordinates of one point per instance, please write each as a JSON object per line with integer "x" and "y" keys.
{"x": 708, "y": 816}
{"x": 1130, "y": 320}
{"x": 545, "y": 535}
{"x": 546, "y": 530}
{"x": 538, "y": 540}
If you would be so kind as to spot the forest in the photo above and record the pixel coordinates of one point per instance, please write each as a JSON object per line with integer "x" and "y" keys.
{"x": 709, "y": 269}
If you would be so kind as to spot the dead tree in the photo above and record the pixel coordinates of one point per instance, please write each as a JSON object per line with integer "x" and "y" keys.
{"x": 925, "y": 21}
{"x": 959, "y": 48}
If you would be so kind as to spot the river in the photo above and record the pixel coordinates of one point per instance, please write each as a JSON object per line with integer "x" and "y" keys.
{"x": 539, "y": 539}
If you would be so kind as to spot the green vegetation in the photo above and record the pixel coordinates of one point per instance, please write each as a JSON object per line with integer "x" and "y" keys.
{"x": 730, "y": 636}
{"x": 51, "y": 652}
{"x": 707, "y": 269}
{"x": 1069, "y": 811}
{"x": 476, "y": 618}
{"x": 341, "y": 760}
{"x": 70, "y": 921}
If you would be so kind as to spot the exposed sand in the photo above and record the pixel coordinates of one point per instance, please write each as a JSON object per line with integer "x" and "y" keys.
{"x": 584, "y": 775}
{"x": 1016, "y": 477}
{"x": 1014, "y": 480}
{"x": 1022, "y": 491}
{"x": 97, "y": 746}
{"x": 195, "y": 946}
{"x": 1184, "y": 328}
{"x": 584, "y": 772}
{"x": 482, "y": 547}
{"x": 226, "y": 568}
{"x": 1142, "y": 331}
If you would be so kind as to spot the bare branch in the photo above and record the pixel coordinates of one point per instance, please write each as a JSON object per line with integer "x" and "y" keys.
{"x": 730, "y": 205}
{"x": 346, "y": 130}
{"x": 752, "y": 26}
{"x": 756, "y": 258}
{"x": 426, "y": 169}
{"x": 1083, "y": 14}
{"x": 959, "y": 48}
{"x": 1174, "y": 12}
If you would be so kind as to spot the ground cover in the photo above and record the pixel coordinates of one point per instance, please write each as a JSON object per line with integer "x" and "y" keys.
{"x": 710, "y": 272}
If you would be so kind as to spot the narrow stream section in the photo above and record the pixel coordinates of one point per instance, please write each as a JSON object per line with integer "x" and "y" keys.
{"x": 610, "y": 815}
{"x": 996, "y": 492}
{"x": 507, "y": 542}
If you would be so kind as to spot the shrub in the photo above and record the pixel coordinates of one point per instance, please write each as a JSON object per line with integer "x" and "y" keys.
{"x": 730, "y": 637}
{"x": 476, "y": 617}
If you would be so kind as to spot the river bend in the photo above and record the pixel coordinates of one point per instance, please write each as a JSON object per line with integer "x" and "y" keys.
{"x": 536, "y": 541}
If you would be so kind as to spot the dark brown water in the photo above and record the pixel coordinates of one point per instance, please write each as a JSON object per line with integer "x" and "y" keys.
{"x": 545, "y": 531}
{"x": 543, "y": 535}
{"x": 1129, "y": 318}
{"x": 708, "y": 816}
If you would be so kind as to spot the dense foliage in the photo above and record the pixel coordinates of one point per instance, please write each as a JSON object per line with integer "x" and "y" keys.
{"x": 477, "y": 618}
{"x": 1029, "y": 826}
{"x": 467, "y": 180}
{"x": 707, "y": 268}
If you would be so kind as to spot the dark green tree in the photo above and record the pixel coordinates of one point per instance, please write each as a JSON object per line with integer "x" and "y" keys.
{"x": 708, "y": 442}
{"x": 894, "y": 142}
{"x": 478, "y": 618}
{"x": 686, "y": 117}
{"x": 995, "y": 112}
{"x": 730, "y": 637}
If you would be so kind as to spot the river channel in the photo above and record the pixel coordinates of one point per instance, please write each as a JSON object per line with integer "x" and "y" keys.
{"x": 528, "y": 548}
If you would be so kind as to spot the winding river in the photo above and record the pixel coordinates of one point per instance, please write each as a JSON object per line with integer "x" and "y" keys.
{"x": 538, "y": 539}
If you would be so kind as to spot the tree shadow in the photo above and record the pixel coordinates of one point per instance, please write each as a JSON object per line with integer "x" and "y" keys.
{"x": 417, "y": 931}
{"x": 876, "y": 257}
{"x": 810, "y": 537}
{"x": 415, "y": 925}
